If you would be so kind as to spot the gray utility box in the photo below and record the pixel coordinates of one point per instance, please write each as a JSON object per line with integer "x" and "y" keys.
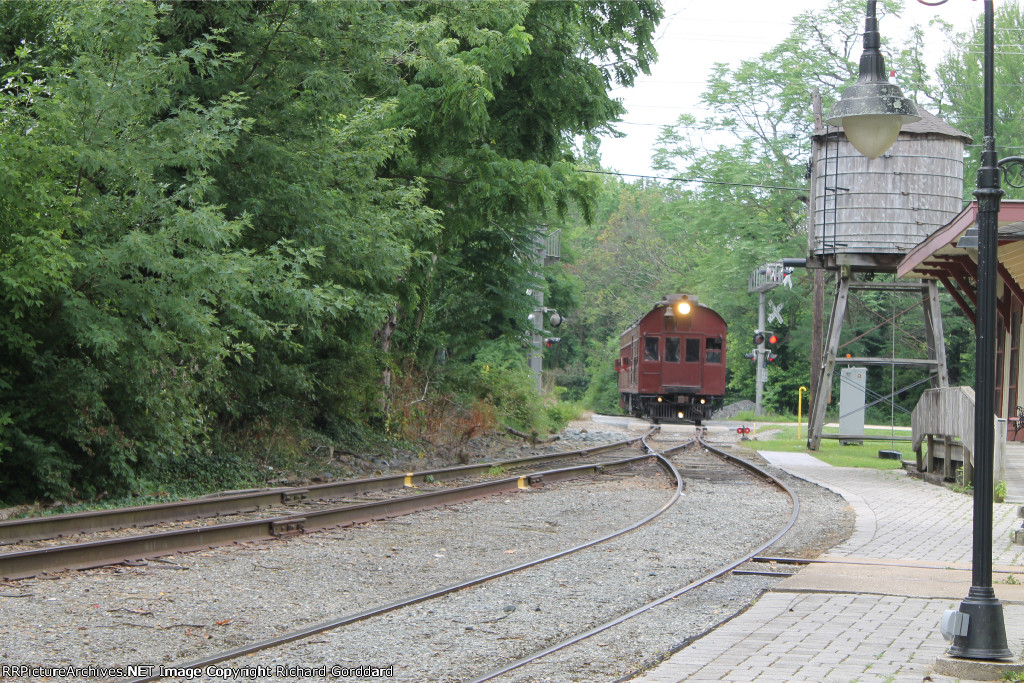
{"x": 852, "y": 384}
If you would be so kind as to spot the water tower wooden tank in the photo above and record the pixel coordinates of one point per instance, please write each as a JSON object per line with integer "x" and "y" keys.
{"x": 868, "y": 213}
{"x": 864, "y": 216}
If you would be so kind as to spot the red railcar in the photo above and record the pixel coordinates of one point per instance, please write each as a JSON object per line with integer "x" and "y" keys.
{"x": 671, "y": 362}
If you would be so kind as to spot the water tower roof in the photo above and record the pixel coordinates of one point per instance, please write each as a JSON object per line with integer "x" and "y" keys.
{"x": 929, "y": 124}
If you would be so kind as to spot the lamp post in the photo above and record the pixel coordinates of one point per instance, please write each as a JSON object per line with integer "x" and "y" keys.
{"x": 868, "y": 119}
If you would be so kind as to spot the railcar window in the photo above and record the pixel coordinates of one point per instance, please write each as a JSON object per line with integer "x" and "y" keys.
{"x": 651, "y": 348}
{"x": 671, "y": 349}
{"x": 713, "y": 351}
{"x": 692, "y": 350}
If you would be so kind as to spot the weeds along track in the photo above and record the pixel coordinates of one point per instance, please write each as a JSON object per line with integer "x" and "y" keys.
{"x": 91, "y": 539}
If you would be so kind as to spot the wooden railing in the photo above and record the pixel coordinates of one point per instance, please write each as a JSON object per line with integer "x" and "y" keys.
{"x": 946, "y": 417}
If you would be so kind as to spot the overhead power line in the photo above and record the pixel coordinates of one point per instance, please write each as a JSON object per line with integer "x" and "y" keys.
{"x": 695, "y": 180}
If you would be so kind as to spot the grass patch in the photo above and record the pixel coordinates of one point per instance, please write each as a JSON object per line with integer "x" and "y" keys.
{"x": 783, "y": 438}
{"x": 748, "y": 416}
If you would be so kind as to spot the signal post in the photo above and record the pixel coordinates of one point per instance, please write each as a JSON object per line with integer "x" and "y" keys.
{"x": 762, "y": 281}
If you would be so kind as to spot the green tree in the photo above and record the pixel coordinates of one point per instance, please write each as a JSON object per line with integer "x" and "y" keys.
{"x": 219, "y": 214}
{"x": 748, "y": 207}
{"x": 116, "y": 264}
{"x": 959, "y": 95}
{"x": 501, "y": 173}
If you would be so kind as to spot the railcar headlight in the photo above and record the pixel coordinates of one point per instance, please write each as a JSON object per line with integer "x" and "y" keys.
{"x": 680, "y": 415}
{"x": 659, "y": 399}
{"x": 683, "y": 308}
{"x": 702, "y": 401}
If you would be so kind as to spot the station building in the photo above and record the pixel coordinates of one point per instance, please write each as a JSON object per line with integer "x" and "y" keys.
{"x": 950, "y": 256}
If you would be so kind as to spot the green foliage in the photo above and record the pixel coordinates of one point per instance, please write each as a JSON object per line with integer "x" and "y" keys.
{"x": 705, "y": 238}
{"x": 559, "y": 413}
{"x": 603, "y": 392}
{"x": 109, "y": 175}
{"x": 501, "y": 377}
{"x": 959, "y": 94}
{"x": 500, "y": 172}
{"x": 217, "y": 214}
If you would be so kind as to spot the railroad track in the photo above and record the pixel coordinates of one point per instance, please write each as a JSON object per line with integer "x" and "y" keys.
{"x": 702, "y": 581}
{"x": 700, "y": 467}
{"x": 273, "y": 523}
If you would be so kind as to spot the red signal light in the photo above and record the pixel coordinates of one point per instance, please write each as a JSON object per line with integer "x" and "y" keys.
{"x": 773, "y": 338}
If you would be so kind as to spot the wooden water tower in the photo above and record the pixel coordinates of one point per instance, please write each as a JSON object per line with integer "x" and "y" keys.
{"x": 864, "y": 216}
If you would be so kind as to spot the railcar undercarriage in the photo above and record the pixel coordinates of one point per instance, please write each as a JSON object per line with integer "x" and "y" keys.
{"x": 682, "y": 409}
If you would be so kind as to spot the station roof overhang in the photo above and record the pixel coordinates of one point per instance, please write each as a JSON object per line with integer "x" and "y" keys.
{"x": 950, "y": 255}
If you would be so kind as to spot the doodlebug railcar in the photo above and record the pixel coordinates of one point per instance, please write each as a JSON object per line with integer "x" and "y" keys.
{"x": 671, "y": 362}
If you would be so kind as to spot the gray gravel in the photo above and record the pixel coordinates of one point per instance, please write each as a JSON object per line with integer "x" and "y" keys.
{"x": 208, "y": 602}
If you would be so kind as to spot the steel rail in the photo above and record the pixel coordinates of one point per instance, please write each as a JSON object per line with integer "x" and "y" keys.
{"x": 674, "y": 594}
{"x": 27, "y": 563}
{"x": 53, "y": 526}
{"x": 422, "y": 597}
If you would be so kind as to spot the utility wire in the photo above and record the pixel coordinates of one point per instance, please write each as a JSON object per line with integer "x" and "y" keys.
{"x": 695, "y": 180}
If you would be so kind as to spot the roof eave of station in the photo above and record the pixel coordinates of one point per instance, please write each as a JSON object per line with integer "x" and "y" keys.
{"x": 943, "y": 242}
{"x": 942, "y": 256}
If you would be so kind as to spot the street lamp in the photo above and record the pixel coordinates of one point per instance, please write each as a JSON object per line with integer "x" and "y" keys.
{"x": 981, "y": 631}
{"x": 872, "y": 110}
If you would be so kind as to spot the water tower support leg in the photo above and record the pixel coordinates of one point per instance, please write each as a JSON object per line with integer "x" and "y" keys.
{"x": 934, "y": 334}
{"x": 819, "y": 402}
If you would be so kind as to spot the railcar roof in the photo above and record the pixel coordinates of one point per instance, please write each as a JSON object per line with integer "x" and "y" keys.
{"x": 663, "y": 304}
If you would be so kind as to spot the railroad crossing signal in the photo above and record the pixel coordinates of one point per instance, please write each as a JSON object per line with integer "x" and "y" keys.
{"x": 758, "y": 337}
{"x": 775, "y": 316}
{"x": 551, "y": 341}
{"x": 752, "y": 356}
{"x": 770, "y": 358}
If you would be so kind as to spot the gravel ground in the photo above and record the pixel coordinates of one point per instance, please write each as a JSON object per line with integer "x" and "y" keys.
{"x": 165, "y": 613}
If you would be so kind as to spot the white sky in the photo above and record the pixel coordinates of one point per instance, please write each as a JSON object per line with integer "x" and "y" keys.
{"x": 697, "y": 33}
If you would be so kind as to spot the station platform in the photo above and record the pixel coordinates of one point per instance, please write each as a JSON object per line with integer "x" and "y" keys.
{"x": 871, "y": 611}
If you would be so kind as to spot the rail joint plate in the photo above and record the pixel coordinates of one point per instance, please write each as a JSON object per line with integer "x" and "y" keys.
{"x": 288, "y": 527}
{"x": 294, "y": 495}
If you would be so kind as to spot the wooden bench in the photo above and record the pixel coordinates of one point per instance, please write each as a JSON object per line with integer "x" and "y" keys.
{"x": 1015, "y": 422}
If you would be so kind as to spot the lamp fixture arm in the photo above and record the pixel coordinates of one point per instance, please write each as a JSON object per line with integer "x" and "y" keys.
{"x": 872, "y": 63}
{"x": 1013, "y": 171}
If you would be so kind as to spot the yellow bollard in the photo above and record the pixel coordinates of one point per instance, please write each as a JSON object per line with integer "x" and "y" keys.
{"x": 799, "y": 410}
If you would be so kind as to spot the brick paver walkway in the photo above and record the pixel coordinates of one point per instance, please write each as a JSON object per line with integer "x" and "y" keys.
{"x": 841, "y": 636}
